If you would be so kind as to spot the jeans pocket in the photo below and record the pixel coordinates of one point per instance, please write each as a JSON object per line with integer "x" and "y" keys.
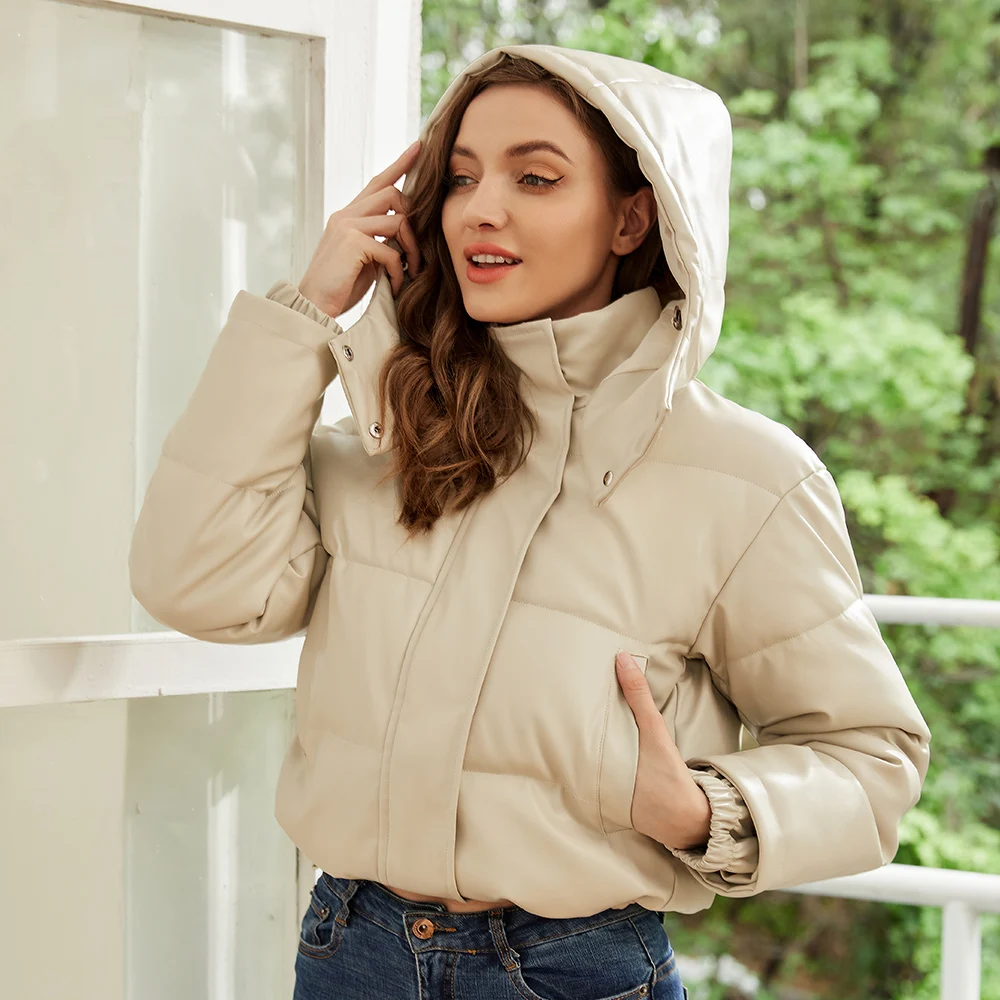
{"x": 608, "y": 962}
{"x": 324, "y": 921}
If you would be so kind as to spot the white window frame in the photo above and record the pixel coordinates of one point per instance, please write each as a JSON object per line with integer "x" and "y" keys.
{"x": 363, "y": 108}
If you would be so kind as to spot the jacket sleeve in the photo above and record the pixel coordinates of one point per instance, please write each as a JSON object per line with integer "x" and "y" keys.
{"x": 843, "y": 749}
{"x": 227, "y": 545}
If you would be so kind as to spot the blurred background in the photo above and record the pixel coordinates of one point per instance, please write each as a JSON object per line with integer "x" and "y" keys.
{"x": 156, "y": 159}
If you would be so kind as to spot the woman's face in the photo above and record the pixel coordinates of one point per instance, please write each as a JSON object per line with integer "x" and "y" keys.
{"x": 548, "y": 210}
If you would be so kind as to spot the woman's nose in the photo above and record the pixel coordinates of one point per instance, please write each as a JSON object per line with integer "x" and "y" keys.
{"x": 484, "y": 204}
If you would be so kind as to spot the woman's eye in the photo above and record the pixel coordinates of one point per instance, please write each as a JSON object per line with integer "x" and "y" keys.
{"x": 452, "y": 180}
{"x": 545, "y": 180}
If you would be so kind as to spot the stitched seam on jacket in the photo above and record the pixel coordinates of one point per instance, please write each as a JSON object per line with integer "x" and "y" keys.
{"x": 805, "y": 631}
{"x": 387, "y": 569}
{"x": 600, "y": 750}
{"x": 529, "y": 777}
{"x": 720, "y": 472}
{"x": 589, "y": 621}
{"x": 222, "y": 482}
{"x": 738, "y": 563}
{"x": 343, "y": 739}
{"x": 318, "y": 351}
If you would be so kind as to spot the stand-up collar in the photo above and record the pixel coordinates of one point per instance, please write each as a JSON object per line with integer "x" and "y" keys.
{"x": 620, "y": 364}
{"x": 615, "y": 361}
{"x": 586, "y": 347}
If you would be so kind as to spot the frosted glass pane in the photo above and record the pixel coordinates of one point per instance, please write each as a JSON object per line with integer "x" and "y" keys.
{"x": 139, "y": 854}
{"x": 151, "y": 169}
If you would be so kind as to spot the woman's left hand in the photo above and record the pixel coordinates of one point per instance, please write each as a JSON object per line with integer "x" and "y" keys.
{"x": 667, "y": 804}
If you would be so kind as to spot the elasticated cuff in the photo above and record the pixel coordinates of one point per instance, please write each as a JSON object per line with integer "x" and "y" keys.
{"x": 731, "y": 854}
{"x": 287, "y": 294}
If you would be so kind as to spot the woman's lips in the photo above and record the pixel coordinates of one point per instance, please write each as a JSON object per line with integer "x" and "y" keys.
{"x": 487, "y": 275}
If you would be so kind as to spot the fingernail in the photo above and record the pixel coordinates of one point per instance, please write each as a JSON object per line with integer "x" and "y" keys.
{"x": 623, "y": 659}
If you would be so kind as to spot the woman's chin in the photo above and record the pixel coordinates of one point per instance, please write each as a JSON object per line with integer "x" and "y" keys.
{"x": 495, "y": 316}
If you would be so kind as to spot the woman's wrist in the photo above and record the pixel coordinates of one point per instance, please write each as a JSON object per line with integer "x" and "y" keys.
{"x": 700, "y": 813}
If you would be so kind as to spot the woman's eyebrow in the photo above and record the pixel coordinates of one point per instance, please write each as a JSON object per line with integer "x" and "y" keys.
{"x": 518, "y": 149}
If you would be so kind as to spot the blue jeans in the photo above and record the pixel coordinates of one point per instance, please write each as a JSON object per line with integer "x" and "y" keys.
{"x": 360, "y": 941}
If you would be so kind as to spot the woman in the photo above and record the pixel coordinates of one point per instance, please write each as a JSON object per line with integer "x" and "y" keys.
{"x": 532, "y": 480}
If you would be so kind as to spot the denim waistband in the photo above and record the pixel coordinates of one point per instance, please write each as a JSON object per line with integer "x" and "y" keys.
{"x": 482, "y": 929}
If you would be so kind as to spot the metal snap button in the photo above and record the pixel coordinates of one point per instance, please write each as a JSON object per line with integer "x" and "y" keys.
{"x": 608, "y": 476}
{"x": 375, "y": 429}
{"x": 423, "y": 928}
{"x": 348, "y": 353}
{"x": 678, "y": 319}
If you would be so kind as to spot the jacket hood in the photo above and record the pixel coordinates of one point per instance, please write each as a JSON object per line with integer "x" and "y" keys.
{"x": 682, "y": 135}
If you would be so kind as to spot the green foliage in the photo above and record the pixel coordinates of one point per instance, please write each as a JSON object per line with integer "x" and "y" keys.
{"x": 860, "y": 133}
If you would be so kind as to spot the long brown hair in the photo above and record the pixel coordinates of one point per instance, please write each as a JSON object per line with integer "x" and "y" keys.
{"x": 460, "y": 425}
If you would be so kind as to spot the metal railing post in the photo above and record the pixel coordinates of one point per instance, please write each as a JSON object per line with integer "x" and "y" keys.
{"x": 961, "y": 952}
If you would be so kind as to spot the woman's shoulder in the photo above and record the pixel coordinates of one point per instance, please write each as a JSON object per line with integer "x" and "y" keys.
{"x": 708, "y": 430}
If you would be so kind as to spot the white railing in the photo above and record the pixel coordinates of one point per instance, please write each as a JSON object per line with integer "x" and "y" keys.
{"x": 933, "y": 611}
{"x": 962, "y": 896}
{"x": 97, "y": 668}
{"x": 139, "y": 665}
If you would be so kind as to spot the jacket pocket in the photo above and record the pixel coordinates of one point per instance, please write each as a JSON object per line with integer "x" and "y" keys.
{"x": 702, "y": 719}
{"x": 619, "y": 756}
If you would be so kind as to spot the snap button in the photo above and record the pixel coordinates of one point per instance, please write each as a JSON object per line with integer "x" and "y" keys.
{"x": 423, "y": 928}
{"x": 375, "y": 429}
{"x": 608, "y": 476}
{"x": 678, "y": 319}
{"x": 348, "y": 353}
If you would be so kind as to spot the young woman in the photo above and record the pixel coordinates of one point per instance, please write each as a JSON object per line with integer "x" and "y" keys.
{"x": 532, "y": 482}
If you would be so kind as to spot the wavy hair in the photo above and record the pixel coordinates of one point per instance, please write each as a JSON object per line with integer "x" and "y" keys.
{"x": 460, "y": 424}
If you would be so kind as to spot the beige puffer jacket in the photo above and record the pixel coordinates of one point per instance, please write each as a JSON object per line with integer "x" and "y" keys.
{"x": 460, "y": 730}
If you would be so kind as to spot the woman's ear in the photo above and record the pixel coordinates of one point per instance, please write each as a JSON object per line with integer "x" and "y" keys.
{"x": 637, "y": 218}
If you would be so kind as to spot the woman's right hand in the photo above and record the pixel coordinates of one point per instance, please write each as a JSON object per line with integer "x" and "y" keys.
{"x": 346, "y": 260}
